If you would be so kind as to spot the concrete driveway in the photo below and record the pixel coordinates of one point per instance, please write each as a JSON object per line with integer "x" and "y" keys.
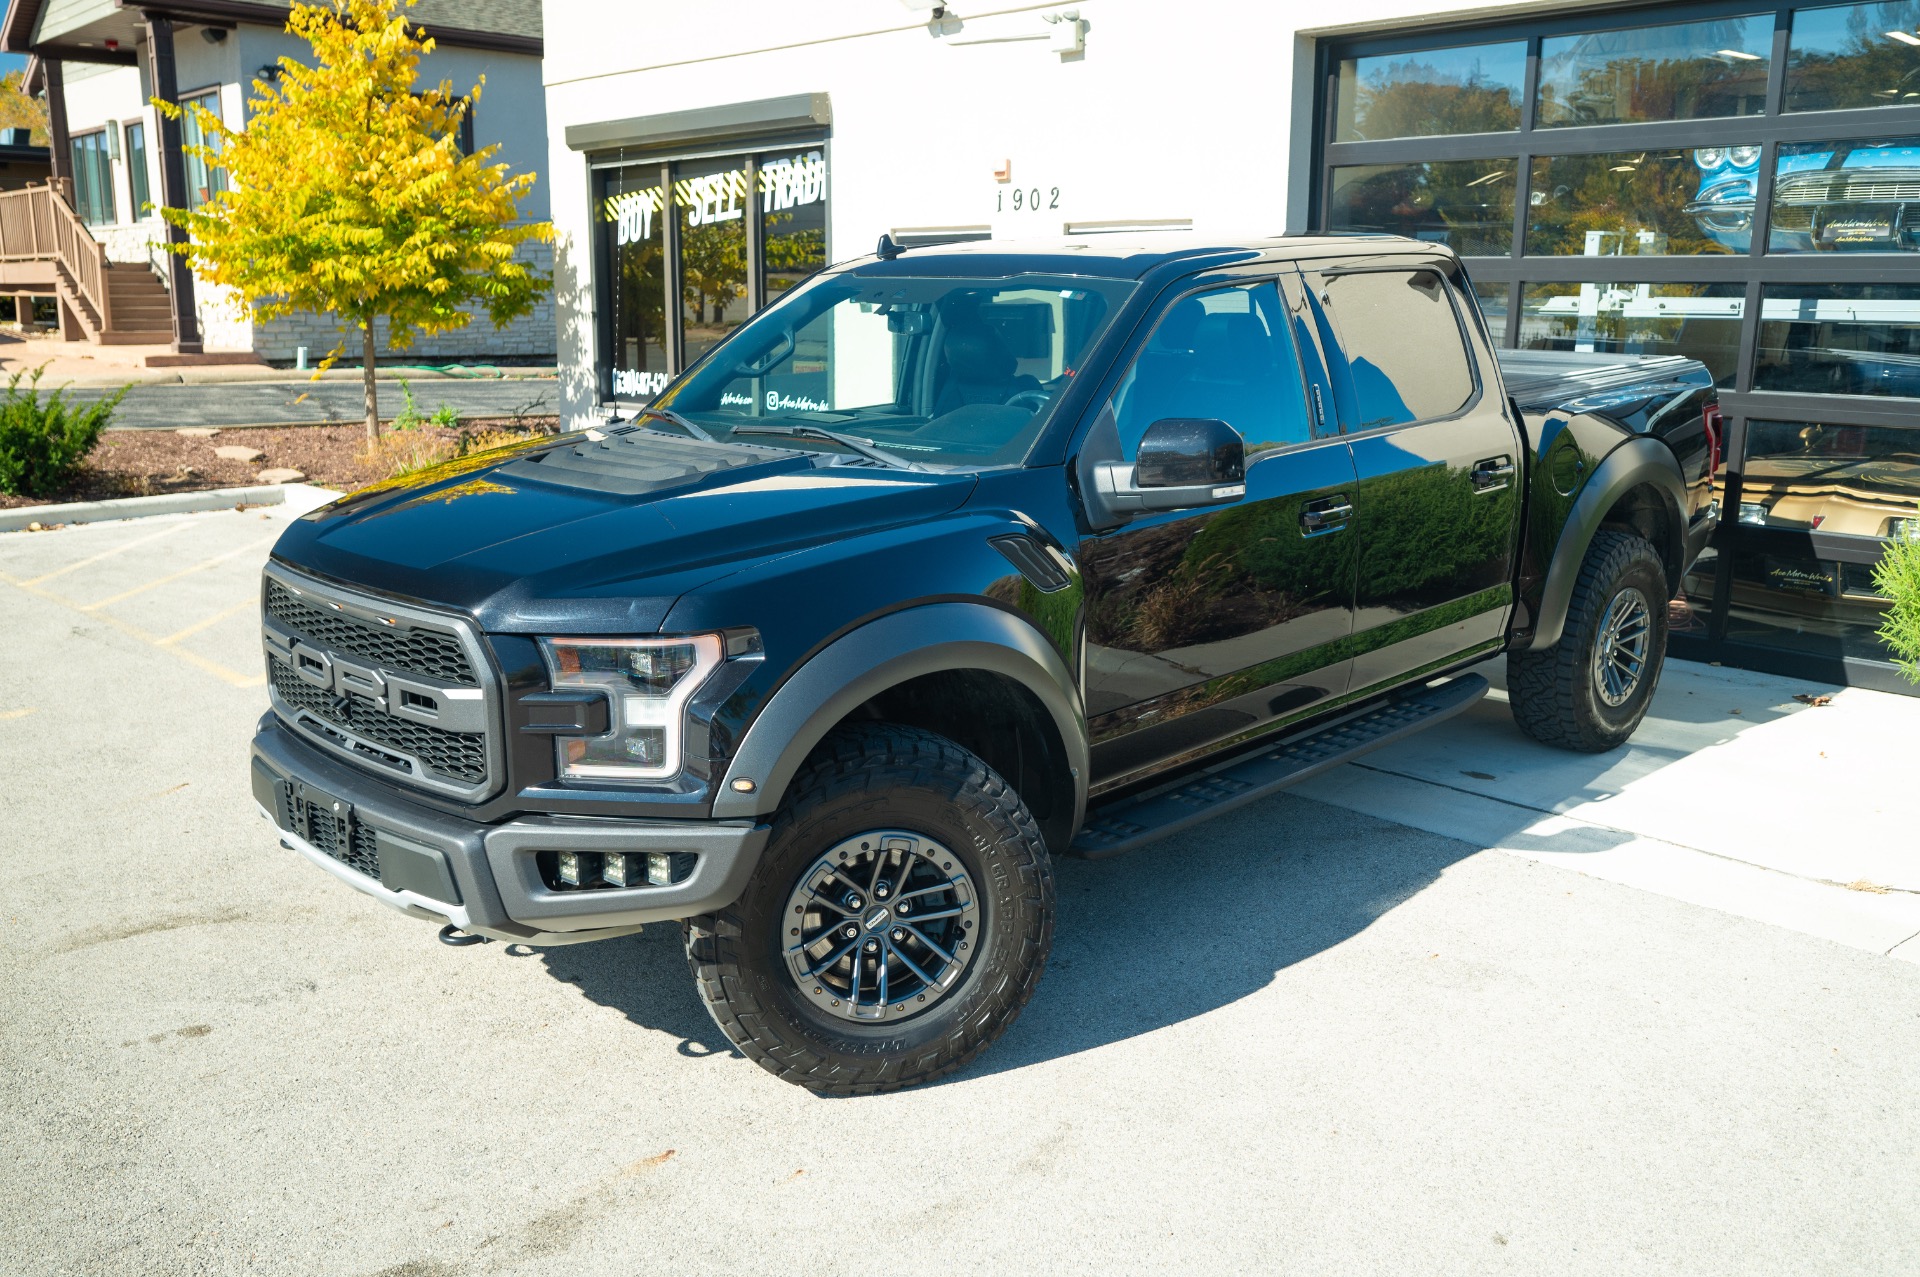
{"x": 1302, "y": 1039}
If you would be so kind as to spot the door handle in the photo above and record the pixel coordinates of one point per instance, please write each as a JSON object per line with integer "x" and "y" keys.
{"x": 1322, "y": 517}
{"x": 1493, "y": 474}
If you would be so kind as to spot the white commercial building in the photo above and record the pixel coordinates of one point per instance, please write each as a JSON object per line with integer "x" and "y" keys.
{"x": 1738, "y": 182}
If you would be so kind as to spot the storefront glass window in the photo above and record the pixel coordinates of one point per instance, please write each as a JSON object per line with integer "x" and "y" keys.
{"x": 1622, "y": 204}
{"x": 1465, "y": 204}
{"x": 1467, "y": 90}
{"x": 1846, "y": 481}
{"x": 1854, "y": 55}
{"x": 793, "y": 217}
{"x": 1691, "y": 614}
{"x": 1493, "y": 304}
{"x": 1851, "y": 480}
{"x": 1684, "y": 71}
{"x": 1846, "y": 196}
{"x": 635, "y": 295}
{"x": 710, "y": 201}
{"x": 1701, "y": 321}
{"x": 1840, "y": 339}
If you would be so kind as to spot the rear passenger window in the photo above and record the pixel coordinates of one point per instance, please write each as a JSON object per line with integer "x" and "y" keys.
{"x": 1406, "y": 359}
{"x": 1223, "y": 354}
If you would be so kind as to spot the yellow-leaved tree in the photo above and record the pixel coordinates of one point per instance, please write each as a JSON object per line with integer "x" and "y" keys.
{"x": 347, "y": 193}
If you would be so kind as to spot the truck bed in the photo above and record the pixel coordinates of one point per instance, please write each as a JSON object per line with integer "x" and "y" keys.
{"x": 1540, "y": 380}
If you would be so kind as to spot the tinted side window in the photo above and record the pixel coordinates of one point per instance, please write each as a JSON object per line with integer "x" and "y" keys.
{"x": 1406, "y": 357}
{"x": 1223, "y": 354}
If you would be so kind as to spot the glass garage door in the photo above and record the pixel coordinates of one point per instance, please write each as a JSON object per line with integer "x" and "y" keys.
{"x": 1736, "y": 183}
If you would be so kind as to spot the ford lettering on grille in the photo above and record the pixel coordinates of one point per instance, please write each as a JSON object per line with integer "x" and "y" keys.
{"x": 394, "y": 694}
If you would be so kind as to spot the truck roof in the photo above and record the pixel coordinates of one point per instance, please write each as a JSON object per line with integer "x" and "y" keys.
{"x": 1124, "y": 254}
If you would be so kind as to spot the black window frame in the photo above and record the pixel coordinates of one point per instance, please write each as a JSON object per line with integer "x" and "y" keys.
{"x": 1750, "y": 270}
{"x": 662, "y": 159}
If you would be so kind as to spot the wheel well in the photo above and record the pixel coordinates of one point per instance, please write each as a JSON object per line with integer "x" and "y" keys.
{"x": 1001, "y": 722}
{"x": 1647, "y": 513}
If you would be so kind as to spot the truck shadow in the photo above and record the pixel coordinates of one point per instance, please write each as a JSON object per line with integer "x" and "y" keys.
{"x": 1142, "y": 942}
{"x": 1209, "y": 916}
{"x": 644, "y": 978}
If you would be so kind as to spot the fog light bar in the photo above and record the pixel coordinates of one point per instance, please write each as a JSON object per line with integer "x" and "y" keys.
{"x": 659, "y": 868}
{"x": 576, "y": 867}
{"x": 621, "y": 870}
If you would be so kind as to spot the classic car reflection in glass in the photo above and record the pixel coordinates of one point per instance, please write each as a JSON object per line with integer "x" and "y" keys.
{"x": 1840, "y": 339}
{"x": 1723, "y": 206}
{"x": 1846, "y": 196}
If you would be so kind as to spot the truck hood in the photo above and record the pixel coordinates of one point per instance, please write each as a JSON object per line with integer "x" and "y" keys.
{"x": 599, "y": 533}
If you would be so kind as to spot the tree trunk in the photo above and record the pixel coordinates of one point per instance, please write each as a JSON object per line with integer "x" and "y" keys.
{"x": 373, "y": 399}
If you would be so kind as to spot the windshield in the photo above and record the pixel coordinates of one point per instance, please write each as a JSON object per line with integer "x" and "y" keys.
{"x": 947, "y": 372}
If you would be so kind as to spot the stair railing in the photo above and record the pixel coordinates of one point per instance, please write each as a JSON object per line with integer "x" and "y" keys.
{"x": 39, "y": 224}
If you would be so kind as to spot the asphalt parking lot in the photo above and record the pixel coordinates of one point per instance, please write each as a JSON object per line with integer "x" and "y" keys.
{"x": 1305, "y": 1038}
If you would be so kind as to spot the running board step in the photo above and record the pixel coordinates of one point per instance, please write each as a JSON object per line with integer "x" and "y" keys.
{"x": 1134, "y": 822}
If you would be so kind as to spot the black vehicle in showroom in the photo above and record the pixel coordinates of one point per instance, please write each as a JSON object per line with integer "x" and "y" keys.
{"x": 953, "y": 560}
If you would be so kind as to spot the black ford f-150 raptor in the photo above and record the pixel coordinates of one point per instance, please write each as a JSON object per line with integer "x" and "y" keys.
{"x": 953, "y": 560}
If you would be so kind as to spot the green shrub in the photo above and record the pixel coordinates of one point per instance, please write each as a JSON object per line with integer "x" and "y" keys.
{"x": 1898, "y": 576}
{"x": 42, "y": 442}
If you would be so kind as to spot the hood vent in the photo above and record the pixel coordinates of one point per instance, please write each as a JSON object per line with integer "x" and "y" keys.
{"x": 632, "y": 461}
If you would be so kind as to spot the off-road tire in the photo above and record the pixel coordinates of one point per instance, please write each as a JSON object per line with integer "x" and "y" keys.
{"x": 861, "y": 778}
{"x": 1552, "y": 691}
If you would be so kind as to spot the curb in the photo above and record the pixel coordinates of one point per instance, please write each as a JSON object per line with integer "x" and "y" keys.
{"x": 302, "y": 496}
{"x": 232, "y": 374}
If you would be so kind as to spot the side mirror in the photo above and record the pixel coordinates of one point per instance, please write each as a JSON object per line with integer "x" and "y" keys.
{"x": 1183, "y": 463}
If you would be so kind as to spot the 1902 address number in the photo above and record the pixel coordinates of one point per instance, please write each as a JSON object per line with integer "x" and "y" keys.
{"x": 1026, "y": 199}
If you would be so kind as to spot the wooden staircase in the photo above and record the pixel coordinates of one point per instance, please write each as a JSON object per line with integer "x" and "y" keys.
{"x": 45, "y": 248}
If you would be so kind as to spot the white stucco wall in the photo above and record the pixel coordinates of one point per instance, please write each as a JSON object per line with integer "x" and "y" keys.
{"x": 1190, "y": 112}
{"x": 511, "y": 114}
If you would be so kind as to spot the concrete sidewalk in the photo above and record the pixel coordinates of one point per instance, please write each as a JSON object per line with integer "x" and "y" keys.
{"x": 1732, "y": 795}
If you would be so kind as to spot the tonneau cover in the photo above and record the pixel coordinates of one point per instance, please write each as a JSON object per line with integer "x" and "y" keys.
{"x": 1542, "y": 379}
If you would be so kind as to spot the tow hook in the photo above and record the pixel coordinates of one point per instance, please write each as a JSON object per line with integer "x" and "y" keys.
{"x": 452, "y": 935}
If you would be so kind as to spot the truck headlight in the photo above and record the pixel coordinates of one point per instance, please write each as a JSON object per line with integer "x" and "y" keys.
{"x": 648, "y": 682}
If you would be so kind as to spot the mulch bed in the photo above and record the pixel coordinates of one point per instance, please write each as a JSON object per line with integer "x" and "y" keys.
{"x": 140, "y": 463}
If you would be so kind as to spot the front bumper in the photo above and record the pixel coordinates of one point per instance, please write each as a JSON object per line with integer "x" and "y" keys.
{"x": 484, "y": 879}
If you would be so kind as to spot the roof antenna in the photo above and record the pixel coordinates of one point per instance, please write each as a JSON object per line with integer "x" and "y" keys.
{"x": 888, "y": 250}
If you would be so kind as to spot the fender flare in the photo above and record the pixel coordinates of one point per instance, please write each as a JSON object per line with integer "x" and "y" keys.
{"x": 884, "y": 653}
{"x": 1635, "y": 462}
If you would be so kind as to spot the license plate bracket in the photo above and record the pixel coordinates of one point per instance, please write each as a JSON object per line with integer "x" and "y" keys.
{"x": 308, "y": 804}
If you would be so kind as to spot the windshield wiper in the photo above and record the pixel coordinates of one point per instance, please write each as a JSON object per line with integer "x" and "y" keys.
{"x": 862, "y": 446}
{"x": 669, "y": 415}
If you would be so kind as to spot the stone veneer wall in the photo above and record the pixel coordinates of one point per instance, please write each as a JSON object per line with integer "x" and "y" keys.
{"x": 223, "y": 328}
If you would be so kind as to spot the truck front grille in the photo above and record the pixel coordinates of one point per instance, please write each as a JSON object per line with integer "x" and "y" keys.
{"x": 397, "y": 690}
{"x": 410, "y": 651}
{"x": 460, "y": 756}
